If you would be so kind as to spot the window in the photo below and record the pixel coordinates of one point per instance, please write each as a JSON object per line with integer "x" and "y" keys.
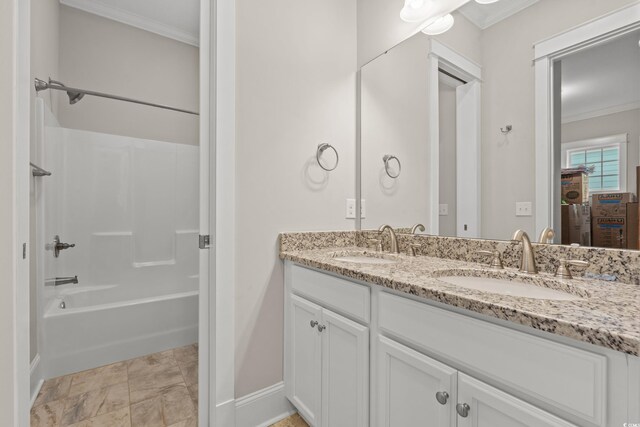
{"x": 605, "y": 156}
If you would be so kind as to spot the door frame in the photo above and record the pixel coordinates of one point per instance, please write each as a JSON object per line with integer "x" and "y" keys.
{"x": 591, "y": 33}
{"x": 217, "y": 18}
{"x": 441, "y": 55}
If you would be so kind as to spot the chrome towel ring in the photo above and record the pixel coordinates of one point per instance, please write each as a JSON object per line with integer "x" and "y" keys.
{"x": 321, "y": 149}
{"x": 387, "y": 159}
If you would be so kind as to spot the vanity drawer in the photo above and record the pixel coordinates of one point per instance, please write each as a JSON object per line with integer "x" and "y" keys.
{"x": 570, "y": 380}
{"x": 337, "y": 294}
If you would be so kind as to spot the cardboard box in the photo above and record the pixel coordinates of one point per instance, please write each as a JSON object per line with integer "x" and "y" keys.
{"x": 617, "y": 231}
{"x": 576, "y": 224}
{"x": 610, "y": 204}
{"x": 575, "y": 188}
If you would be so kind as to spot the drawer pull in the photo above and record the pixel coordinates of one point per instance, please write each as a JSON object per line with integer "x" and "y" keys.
{"x": 462, "y": 409}
{"x": 442, "y": 397}
{"x": 313, "y": 323}
{"x": 321, "y": 328}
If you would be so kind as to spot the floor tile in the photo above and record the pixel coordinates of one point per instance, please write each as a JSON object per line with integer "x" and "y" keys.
{"x": 190, "y": 372}
{"x": 53, "y": 389}
{"x": 186, "y": 354}
{"x": 294, "y": 420}
{"x": 95, "y": 402}
{"x": 150, "y": 364}
{"x": 177, "y": 405}
{"x": 48, "y": 414}
{"x": 154, "y": 385}
{"x": 120, "y": 418}
{"x": 98, "y": 378}
{"x": 147, "y": 413}
{"x": 191, "y": 422}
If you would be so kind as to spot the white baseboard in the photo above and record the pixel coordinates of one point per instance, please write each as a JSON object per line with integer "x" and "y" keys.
{"x": 264, "y": 407}
{"x": 36, "y": 379}
{"x": 226, "y": 413}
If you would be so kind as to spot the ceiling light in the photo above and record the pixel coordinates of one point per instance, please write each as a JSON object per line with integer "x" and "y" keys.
{"x": 415, "y": 10}
{"x": 487, "y": 1}
{"x": 439, "y": 26}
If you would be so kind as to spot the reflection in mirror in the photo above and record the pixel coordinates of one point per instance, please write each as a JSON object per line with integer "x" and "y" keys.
{"x": 458, "y": 110}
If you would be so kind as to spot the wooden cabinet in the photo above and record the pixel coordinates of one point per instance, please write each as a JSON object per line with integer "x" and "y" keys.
{"x": 408, "y": 383}
{"x": 327, "y": 368}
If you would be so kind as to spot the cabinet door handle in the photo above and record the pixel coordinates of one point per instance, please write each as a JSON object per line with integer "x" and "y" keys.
{"x": 313, "y": 323}
{"x": 462, "y": 409}
{"x": 442, "y": 397}
{"x": 321, "y": 328}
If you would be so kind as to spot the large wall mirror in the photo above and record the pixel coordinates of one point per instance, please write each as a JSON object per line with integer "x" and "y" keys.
{"x": 524, "y": 115}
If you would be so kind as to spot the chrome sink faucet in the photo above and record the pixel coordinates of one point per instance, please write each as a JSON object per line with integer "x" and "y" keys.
{"x": 392, "y": 234}
{"x": 528, "y": 261}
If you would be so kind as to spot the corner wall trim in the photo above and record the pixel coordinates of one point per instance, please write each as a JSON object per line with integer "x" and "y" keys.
{"x": 36, "y": 379}
{"x": 263, "y": 407}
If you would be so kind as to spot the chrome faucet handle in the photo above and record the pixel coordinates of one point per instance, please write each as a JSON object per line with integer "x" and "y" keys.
{"x": 546, "y": 236}
{"x": 414, "y": 249}
{"x": 417, "y": 227}
{"x": 376, "y": 243}
{"x": 496, "y": 261}
{"x": 564, "y": 272}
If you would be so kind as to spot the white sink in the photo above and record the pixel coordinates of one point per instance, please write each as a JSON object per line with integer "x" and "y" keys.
{"x": 363, "y": 259}
{"x": 508, "y": 287}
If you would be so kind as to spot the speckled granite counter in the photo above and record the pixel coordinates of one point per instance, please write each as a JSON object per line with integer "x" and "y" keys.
{"x": 607, "y": 315}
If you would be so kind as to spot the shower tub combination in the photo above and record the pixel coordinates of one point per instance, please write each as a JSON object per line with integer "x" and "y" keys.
{"x": 130, "y": 207}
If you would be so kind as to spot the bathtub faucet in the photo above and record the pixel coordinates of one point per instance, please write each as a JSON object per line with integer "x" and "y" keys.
{"x": 57, "y": 281}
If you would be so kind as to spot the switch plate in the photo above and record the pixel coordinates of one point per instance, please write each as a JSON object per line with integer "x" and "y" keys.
{"x": 363, "y": 208}
{"x": 443, "y": 210}
{"x": 523, "y": 209}
{"x": 351, "y": 209}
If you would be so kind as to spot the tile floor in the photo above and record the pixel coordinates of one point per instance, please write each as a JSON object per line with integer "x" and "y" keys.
{"x": 157, "y": 390}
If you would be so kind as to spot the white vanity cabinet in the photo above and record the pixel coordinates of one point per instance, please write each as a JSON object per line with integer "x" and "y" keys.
{"x": 326, "y": 356}
{"x": 438, "y": 366}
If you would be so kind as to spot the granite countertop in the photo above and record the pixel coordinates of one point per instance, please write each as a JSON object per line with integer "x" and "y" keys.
{"x": 607, "y": 313}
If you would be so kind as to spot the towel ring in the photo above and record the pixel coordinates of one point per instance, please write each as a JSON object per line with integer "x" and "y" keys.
{"x": 321, "y": 149}
{"x": 387, "y": 158}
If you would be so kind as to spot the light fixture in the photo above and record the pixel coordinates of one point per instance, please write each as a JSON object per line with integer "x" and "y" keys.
{"x": 415, "y": 10}
{"x": 487, "y": 1}
{"x": 439, "y": 26}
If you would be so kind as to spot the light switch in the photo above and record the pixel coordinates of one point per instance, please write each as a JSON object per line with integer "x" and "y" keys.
{"x": 351, "y": 209}
{"x": 443, "y": 210}
{"x": 523, "y": 209}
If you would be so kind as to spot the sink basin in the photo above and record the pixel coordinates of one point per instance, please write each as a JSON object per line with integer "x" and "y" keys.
{"x": 365, "y": 257}
{"x": 512, "y": 284}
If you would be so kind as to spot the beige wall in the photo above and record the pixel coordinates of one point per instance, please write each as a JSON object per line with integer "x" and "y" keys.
{"x": 611, "y": 124}
{"x": 508, "y": 98}
{"x": 296, "y": 66}
{"x": 7, "y": 314}
{"x": 106, "y": 56}
{"x": 448, "y": 181}
{"x": 44, "y": 63}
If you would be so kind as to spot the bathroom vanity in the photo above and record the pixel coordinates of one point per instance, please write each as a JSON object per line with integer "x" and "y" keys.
{"x": 384, "y": 340}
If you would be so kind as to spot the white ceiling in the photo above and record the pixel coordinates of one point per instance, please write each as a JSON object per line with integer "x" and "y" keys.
{"x": 602, "y": 80}
{"x": 176, "y": 19}
{"x": 486, "y": 15}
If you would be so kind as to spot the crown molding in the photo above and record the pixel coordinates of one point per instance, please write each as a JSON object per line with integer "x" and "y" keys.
{"x": 125, "y": 17}
{"x": 602, "y": 112}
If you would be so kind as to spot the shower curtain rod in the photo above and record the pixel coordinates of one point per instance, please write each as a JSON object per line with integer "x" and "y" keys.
{"x": 74, "y": 92}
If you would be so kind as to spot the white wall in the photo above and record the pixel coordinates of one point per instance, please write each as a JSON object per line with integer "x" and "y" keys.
{"x": 44, "y": 63}
{"x": 447, "y": 129}
{"x": 508, "y": 165}
{"x": 611, "y": 124}
{"x": 107, "y": 56}
{"x": 394, "y": 110}
{"x": 7, "y": 204}
{"x": 296, "y": 67}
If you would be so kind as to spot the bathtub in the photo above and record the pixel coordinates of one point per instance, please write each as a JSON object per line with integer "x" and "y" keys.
{"x": 103, "y": 324}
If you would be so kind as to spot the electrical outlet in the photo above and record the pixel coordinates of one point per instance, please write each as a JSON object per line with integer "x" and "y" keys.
{"x": 443, "y": 210}
{"x": 363, "y": 209}
{"x": 523, "y": 209}
{"x": 351, "y": 209}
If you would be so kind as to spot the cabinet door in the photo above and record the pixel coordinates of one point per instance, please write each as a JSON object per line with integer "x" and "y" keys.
{"x": 345, "y": 372}
{"x": 407, "y": 386}
{"x": 489, "y": 407}
{"x": 304, "y": 362}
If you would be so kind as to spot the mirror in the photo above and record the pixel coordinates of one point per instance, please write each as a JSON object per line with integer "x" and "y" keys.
{"x": 451, "y": 127}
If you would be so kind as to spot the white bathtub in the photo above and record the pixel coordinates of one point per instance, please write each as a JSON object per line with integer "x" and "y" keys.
{"x": 109, "y": 323}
